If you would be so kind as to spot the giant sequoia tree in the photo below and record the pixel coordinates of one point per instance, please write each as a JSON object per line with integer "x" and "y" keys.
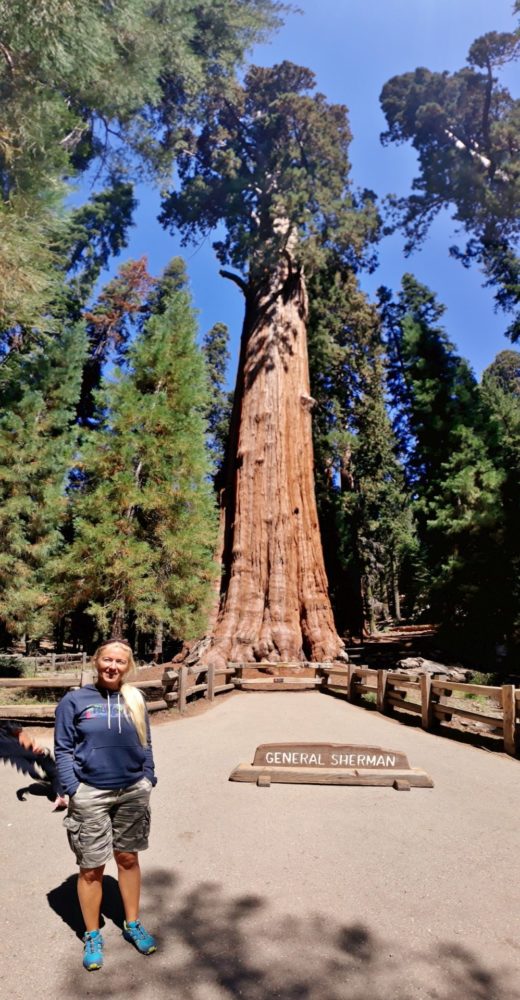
{"x": 465, "y": 128}
{"x": 271, "y": 164}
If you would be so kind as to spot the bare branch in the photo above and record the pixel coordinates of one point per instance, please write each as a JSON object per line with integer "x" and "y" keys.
{"x": 7, "y": 54}
{"x": 237, "y": 279}
{"x": 484, "y": 160}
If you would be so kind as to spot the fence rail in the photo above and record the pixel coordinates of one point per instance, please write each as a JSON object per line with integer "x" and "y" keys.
{"x": 416, "y": 693}
{"x": 420, "y": 695}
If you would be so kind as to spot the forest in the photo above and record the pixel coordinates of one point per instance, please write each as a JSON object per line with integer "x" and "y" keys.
{"x": 359, "y": 474}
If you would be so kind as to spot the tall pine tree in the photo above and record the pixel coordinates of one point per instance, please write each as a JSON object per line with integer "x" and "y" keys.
{"x": 455, "y": 483}
{"x": 37, "y": 448}
{"x": 144, "y": 520}
{"x": 360, "y": 489}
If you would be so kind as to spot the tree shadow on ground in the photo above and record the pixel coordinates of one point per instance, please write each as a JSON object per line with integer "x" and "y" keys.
{"x": 215, "y": 946}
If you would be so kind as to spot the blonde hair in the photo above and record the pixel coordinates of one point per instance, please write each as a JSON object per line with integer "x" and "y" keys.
{"x": 132, "y": 697}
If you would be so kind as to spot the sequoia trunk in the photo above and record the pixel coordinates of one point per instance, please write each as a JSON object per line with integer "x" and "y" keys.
{"x": 274, "y": 602}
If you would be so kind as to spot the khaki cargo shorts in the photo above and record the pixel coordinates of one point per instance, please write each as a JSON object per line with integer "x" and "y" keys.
{"x": 100, "y": 821}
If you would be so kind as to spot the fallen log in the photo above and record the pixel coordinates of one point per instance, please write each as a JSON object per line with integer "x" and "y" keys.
{"x": 434, "y": 669}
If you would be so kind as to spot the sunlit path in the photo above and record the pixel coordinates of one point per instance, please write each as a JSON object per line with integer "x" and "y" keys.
{"x": 322, "y": 893}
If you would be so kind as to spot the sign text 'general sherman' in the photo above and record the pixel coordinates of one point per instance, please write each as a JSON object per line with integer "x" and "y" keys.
{"x": 331, "y": 764}
{"x": 328, "y": 755}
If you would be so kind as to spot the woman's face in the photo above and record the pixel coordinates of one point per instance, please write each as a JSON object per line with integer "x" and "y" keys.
{"x": 112, "y": 664}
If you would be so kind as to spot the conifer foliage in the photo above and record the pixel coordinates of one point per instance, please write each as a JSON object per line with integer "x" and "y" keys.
{"x": 144, "y": 522}
{"x": 464, "y": 127}
{"x": 38, "y": 439}
{"x": 455, "y": 474}
{"x": 97, "y": 82}
{"x": 362, "y": 500}
{"x": 271, "y": 163}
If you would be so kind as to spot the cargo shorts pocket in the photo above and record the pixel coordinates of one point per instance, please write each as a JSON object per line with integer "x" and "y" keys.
{"x": 147, "y": 819}
{"x": 89, "y": 839}
{"x": 73, "y": 828}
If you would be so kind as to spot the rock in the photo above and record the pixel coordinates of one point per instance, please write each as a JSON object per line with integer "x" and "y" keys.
{"x": 421, "y": 665}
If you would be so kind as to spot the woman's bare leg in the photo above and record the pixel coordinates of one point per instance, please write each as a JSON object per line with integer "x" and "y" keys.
{"x": 129, "y": 876}
{"x": 90, "y": 891}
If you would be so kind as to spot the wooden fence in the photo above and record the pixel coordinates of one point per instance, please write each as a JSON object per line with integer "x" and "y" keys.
{"x": 413, "y": 693}
{"x": 176, "y": 687}
{"x": 53, "y": 662}
{"x": 420, "y": 695}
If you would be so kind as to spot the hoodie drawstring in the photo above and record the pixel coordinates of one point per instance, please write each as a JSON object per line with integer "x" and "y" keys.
{"x": 118, "y": 711}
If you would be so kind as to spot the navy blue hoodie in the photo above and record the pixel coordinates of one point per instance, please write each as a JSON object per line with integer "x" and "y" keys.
{"x": 96, "y": 742}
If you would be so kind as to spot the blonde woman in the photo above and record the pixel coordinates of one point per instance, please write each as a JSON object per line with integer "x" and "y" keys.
{"x": 105, "y": 764}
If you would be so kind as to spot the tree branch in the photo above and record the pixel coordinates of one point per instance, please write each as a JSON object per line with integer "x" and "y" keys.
{"x": 8, "y": 56}
{"x": 237, "y": 279}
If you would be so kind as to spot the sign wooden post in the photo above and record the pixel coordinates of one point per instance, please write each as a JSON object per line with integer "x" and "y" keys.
{"x": 331, "y": 764}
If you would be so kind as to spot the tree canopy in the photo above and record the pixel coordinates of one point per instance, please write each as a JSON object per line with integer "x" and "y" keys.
{"x": 465, "y": 127}
{"x": 271, "y": 162}
{"x": 103, "y": 83}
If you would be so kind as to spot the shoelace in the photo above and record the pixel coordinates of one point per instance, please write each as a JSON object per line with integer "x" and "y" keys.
{"x": 138, "y": 927}
{"x": 93, "y": 943}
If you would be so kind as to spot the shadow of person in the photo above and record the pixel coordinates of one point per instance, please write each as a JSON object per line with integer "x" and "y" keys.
{"x": 64, "y": 901}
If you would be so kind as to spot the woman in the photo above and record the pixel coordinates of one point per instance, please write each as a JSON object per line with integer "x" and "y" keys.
{"x": 105, "y": 764}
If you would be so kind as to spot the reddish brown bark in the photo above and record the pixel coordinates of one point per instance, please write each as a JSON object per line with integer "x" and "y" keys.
{"x": 274, "y": 602}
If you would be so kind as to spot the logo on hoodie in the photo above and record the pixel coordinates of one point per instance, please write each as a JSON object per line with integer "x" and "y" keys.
{"x": 101, "y": 711}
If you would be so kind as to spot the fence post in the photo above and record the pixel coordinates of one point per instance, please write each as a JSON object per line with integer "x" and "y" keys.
{"x": 350, "y": 681}
{"x": 381, "y": 689}
{"x": 84, "y": 659}
{"x": 169, "y": 682}
{"x": 210, "y": 690}
{"x": 183, "y": 683}
{"x": 426, "y": 701}
{"x": 53, "y": 662}
{"x": 86, "y": 678}
{"x": 509, "y": 710}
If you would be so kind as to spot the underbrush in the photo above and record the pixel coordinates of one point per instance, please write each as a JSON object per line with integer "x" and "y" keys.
{"x": 17, "y": 666}
{"x": 19, "y": 696}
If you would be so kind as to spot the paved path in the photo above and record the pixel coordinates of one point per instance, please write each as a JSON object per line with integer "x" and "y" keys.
{"x": 293, "y": 892}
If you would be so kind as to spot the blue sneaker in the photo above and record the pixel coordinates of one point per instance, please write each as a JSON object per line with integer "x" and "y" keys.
{"x": 93, "y": 953}
{"x": 136, "y": 934}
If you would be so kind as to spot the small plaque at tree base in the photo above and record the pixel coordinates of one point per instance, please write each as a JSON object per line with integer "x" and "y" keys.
{"x": 331, "y": 764}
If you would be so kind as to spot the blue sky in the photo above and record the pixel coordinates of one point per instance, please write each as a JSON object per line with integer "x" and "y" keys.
{"x": 354, "y": 47}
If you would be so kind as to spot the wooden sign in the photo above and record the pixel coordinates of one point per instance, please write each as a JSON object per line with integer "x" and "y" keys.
{"x": 331, "y": 764}
{"x": 328, "y": 755}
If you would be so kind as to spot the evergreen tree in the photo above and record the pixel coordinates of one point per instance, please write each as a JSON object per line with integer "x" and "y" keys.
{"x": 504, "y": 373}
{"x": 216, "y": 353}
{"x": 104, "y": 83}
{"x": 501, "y": 398}
{"x": 455, "y": 483}
{"x": 464, "y": 126}
{"x": 361, "y": 496}
{"x": 379, "y": 507}
{"x": 109, "y": 326}
{"x": 93, "y": 234}
{"x": 37, "y": 445}
{"x": 271, "y": 162}
{"x": 144, "y": 522}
